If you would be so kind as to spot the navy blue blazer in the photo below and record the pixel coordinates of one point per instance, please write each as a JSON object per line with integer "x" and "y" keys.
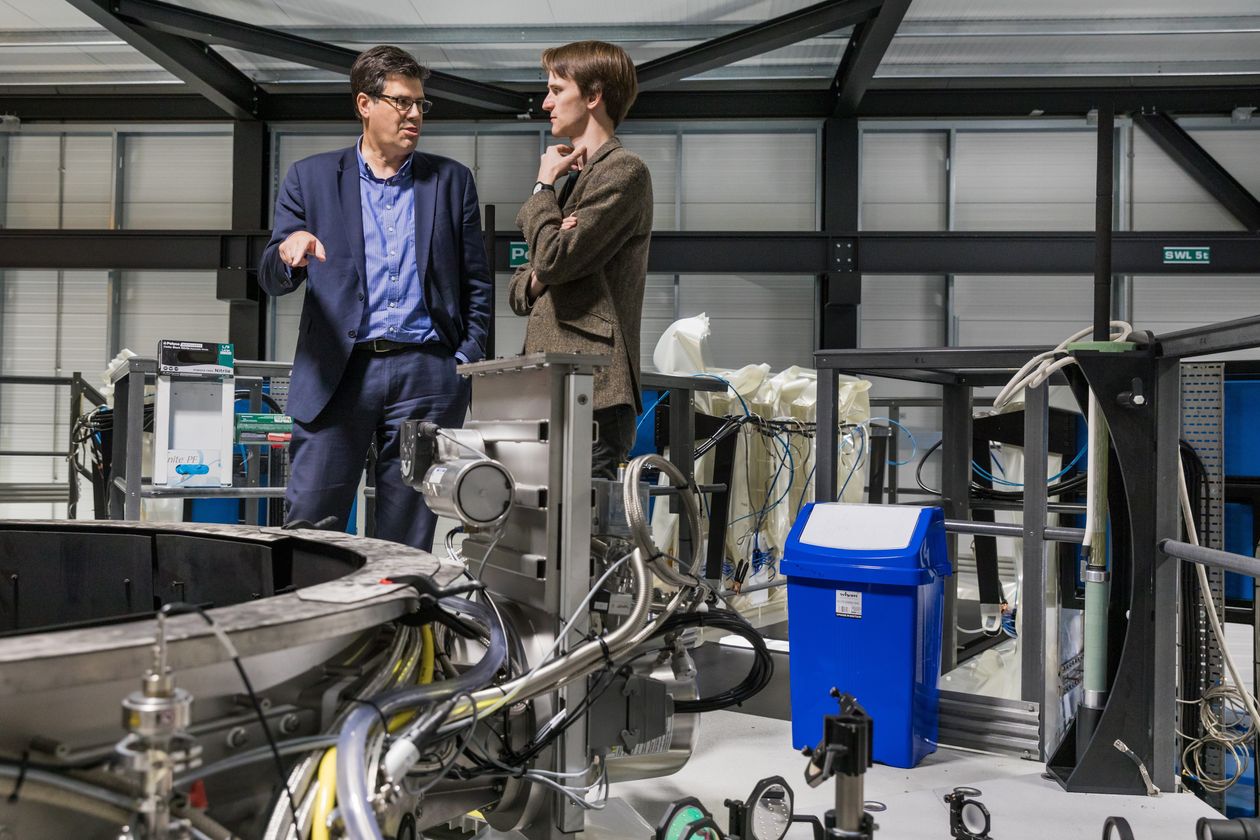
{"x": 320, "y": 194}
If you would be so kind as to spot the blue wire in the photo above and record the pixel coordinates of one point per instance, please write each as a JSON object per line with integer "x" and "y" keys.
{"x": 914, "y": 444}
{"x": 747, "y": 413}
{"x": 856, "y": 463}
{"x": 647, "y": 412}
{"x": 791, "y": 465}
{"x": 981, "y": 472}
{"x": 997, "y": 462}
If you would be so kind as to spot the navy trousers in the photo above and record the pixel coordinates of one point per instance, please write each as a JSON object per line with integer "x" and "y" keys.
{"x": 378, "y": 391}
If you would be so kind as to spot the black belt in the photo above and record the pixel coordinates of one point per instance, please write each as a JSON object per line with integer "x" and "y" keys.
{"x": 385, "y": 345}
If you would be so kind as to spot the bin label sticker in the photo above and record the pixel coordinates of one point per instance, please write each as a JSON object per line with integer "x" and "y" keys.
{"x": 848, "y": 604}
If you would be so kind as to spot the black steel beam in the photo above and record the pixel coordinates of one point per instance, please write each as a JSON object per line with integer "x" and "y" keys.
{"x": 1056, "y": 97}
{"x": 1243, "y": 334}
{"x": 946, "y": 359}
{"x": 792, "y": 28}
{"x": 715, "y": 252}
{"x": 1201, "y": 166}
{"x": 200, "y": 26}
{"x": 954, "y": 98}
{"x": 200, "y": 68}
{"x": 1053, "y": 253}
{"x": 865, "y": 51}
{"x": 174, "y": 250}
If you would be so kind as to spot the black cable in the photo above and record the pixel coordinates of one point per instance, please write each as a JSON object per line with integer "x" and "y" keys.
{"x": 177, "y": 608}
{"x": 446, "y": 767}
{"x": 1074, "y": 483}
{"x": 758, "y": 675}
{"x": 21, "y": 777}
{"x": 243, "y": 394}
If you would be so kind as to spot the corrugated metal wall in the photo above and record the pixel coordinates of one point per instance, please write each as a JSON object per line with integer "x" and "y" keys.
{"x": 964, "y": 176}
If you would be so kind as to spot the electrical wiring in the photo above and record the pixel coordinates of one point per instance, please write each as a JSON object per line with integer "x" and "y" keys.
{"x": 1042, "y": 366}
{"x": 914, "y": 444}
{"x": 759, "y": 673}
{"x": 857, "y": 462}
{"x": 979, "y": 490}
{"x": 325, "y": 795}
{"x": 230, "y": 649}
{"x": 647, "y": 412}
{"x": 728, "y": 384}
{"x": 1236, "y": 692}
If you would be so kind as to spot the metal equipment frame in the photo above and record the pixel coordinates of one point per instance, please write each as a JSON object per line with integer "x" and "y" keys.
{"x": 1141, "y": 708}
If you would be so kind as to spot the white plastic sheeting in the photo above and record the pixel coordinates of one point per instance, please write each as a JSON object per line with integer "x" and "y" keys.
{"x": 774, "y": 473}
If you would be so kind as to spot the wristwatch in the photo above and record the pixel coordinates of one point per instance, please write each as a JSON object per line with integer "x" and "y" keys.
{"x": 540, "y": 186}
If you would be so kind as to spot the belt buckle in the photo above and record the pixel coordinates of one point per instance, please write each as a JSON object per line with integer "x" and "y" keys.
{"x": 378, "y": 346}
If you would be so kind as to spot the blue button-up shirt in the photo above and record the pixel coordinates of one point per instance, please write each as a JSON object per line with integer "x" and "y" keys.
{"x": 395, "y": 307}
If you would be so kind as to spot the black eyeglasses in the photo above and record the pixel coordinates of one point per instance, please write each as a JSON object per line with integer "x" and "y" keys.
{"x": 404, "y": 104}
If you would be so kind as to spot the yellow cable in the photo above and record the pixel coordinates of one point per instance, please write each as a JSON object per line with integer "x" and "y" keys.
{"x": 428, "y": 651}
{"x": 427, "y": 654}
{"x": 326, "y": 797}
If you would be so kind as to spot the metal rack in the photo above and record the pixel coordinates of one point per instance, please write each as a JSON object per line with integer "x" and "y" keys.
{"x": 80, "y": 392}
{"x": 127, "y": 487}
{"x": 1145, "y": 434}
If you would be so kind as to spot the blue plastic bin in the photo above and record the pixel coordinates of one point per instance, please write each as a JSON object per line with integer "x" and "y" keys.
{"x": 865, "y": 597}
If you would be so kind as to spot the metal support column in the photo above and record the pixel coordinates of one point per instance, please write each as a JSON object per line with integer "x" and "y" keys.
{"x": 956, "y": 489}
{"x": 840, "y": 287}
{"x": 827, "y": 437}
{"x": 682, "y": 441}
{"x": 1038, "y": 600}
{"x": 574, "y": 569}
{"x": 236, "y": 282}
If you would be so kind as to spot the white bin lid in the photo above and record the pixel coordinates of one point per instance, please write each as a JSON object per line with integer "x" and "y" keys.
{"x": 861, "y": 527}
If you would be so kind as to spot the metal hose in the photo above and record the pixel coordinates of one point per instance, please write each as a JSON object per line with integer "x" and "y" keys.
{"x": 640, "y": 527}
{"x": 281, "y": 822}
{"x": 353, "y": 796}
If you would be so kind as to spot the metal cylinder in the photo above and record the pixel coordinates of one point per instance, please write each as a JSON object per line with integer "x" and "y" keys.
{"x": 476, "y": 491}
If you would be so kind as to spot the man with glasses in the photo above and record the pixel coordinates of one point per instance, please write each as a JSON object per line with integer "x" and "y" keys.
{"x": 388, "y": 242}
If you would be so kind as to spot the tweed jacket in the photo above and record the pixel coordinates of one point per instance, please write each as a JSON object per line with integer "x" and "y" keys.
{"x": 594, "y": 273}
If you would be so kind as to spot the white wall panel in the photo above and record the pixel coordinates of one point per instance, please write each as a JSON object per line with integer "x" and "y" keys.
{"x": 1024, "y": 180}
{"x": 178, "y": 181}
{"x": 753, "y": 318}
{"x": 1021, "y": 310}
{"x": 509, "y": 328}
{"x": 41, "y": 338}
{"x": 32, "y": 181}
{"x": 749, "y": 181}
{"x": 506, "y": 168}
{"x": 1165, "y": 197}
{"x": 170, "y": 304}
{"x": 904, "y": 180}
{"x": 660, "y": 153}
{"x": 288, "y": 312}
{"x": 902, "y": 311}
{"x": 1166, "y": 304}
{"x": 89, "y": 181}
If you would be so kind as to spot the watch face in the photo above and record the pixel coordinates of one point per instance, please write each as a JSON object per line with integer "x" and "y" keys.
{"x": 538, "y": 188}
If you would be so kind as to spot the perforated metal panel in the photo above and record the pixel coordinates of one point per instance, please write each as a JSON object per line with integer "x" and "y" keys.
{"x": 1203, "y": 427}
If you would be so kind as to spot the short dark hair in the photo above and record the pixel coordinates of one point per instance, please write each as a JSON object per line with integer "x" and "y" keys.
{"x": 597, "y": 67}
{"x": 374, "y": 65}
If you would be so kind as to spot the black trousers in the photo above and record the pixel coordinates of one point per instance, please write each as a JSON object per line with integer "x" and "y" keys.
{"x": 616, "y": 435}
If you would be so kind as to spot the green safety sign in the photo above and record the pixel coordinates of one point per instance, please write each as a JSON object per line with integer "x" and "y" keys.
{"x": 1187, "y": 255}
{"x": 518, "y": 254}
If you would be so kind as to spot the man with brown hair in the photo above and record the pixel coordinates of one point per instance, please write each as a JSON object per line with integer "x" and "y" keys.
{"x": 388, "y": 242}
{"x": 588, "y": 246}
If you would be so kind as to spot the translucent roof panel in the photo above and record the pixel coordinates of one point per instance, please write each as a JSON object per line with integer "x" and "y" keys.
{"x": 997, "y": 38}
{"x": 516, "y": 63}
{"x": 49, "y": 42}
